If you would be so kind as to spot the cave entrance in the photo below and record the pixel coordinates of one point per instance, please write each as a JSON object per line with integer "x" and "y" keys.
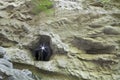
{"x": 43, "y": 50}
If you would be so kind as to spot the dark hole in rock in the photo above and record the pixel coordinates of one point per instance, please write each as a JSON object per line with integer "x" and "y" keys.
{"x": 43, "y": 50}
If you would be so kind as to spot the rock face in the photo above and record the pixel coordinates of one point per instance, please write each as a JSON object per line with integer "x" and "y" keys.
{"x": 84, "y": 36}
{"x": 8, "y": 73}
{"x": 95, "y": 46}
{"x": 2, "y": 52}
{"x": 111, "y": 30}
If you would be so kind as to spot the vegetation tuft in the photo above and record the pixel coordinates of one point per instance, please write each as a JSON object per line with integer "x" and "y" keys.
{"x": 42, "y": 6}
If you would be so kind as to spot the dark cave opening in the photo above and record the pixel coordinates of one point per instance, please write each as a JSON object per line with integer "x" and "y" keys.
{"x": 43, "y": 50}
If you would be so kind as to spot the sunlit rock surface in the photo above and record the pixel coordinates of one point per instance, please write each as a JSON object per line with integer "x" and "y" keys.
{"x": 84, "y": 36}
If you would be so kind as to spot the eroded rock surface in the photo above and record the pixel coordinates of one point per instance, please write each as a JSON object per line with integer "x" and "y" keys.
{"x": 7, "y": 72}
{"x": 84, "y": 36}
{"x": 95, "y": 46}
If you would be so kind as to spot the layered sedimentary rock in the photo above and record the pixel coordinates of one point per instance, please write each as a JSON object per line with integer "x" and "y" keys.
{"x": 84, "y": 37}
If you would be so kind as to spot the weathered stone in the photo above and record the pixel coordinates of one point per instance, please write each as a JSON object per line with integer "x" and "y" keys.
{"x": 97, "y": 4}
{"x": 6, "y": 63}
{"x": 111, "y": 30}
{"x": 5, "y": 40}
{"x": 68, "y": 5}
{"x": 7, "y": 72}
{"x": 2, "y": 52}
{"x": 96, "y": 29}
{"x": 18, "y": 75}
{"x": 17, "y": 55}
{"x": 3, "y": 14}
{"x": 58, "y": 46}
{"x": 61, "y": 63}
{"x": 85, "y": 75}
{"x": 94, "y": 46}
{"x": 95, "y": 25}
{"x": 6, "y": 57}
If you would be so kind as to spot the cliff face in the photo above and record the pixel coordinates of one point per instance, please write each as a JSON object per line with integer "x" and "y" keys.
{"x": 84, "y": 36}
